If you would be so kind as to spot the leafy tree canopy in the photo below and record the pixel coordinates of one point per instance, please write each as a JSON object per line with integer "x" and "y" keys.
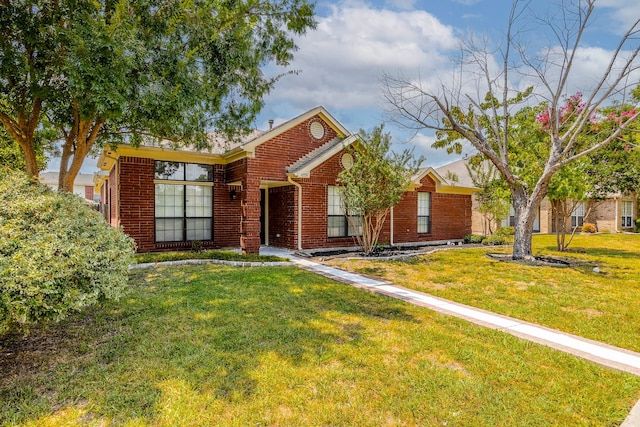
{"x": 375, "y": 183}
{"x": 107, "y": 71}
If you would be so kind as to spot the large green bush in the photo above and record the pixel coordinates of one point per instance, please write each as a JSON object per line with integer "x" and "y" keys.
{"x": 56, "y": 254}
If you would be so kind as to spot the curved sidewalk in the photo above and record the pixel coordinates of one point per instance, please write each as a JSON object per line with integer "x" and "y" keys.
{"x": 603, "y": 354}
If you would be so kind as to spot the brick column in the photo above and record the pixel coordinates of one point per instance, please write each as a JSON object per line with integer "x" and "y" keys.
{"x": 250, "y": 224}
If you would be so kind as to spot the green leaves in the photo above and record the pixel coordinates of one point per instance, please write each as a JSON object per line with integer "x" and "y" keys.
{"x": 57, "y": 255}
{"x": 375, "y": 182}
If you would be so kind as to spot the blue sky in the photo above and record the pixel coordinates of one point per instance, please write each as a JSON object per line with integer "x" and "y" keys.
{"x": 340, "y": 63}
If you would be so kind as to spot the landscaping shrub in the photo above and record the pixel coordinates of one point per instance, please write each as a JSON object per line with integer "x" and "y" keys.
{"x": 588, "y": 228}
{"x": 494, "y": 240}
{"x": 473, "y": 238}
{"x": 505, "y": 231}
{"x": 57, "y": 255}
{"x": 637, "y": 225}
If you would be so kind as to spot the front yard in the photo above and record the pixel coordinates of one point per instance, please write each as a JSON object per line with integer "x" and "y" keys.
{"x": 601, "y": 306}
{"x": 214, "y": 345}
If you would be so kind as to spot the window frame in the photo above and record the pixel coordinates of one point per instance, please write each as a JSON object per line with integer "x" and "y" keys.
{"x": 336, "y": 212}
{"x": 188, "y": 187}
{"x": 627, "y": 214}
{"x": 427, "y": 216}
{"x": 577, "y": 216}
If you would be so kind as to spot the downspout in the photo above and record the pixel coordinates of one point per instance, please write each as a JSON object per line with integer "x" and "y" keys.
{"x": 290, "y": 179}
{"x": 391, "y": 219}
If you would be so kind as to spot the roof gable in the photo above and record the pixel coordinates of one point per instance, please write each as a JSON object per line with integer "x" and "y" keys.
{"x": 303, "y": 167}
{"x": 442, "y": 185}
{"x": 320, "y": 111}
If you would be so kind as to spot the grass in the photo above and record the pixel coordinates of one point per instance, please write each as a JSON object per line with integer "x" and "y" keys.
{"x": 152, "y": 257}
{"x": 212, "y": 345}
{"x": 602, "y": 307}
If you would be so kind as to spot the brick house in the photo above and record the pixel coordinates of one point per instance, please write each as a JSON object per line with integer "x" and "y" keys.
{"x": 276, "y": 187}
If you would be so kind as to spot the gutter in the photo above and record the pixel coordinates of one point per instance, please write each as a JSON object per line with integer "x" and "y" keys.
{"x": 290, "y": 180}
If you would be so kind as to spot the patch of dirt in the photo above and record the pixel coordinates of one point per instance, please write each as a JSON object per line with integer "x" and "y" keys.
{"x": 538, "y": 260}
{"x": 389, "y": 252}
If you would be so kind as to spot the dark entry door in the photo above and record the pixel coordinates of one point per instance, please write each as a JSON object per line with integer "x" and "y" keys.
{"x": 263, "y": 194}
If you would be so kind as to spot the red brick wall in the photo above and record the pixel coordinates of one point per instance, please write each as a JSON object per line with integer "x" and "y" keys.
{"x": 136, "y": 207}
{"x": 450, "y": 213}
{"x": 269, "y": 163}
{"x": 272, "y": 157}
{"x": 283, "y": 215}
{"x": 88, "y": 192}
{"x": 450, "y": 216}
{"x": 226, "y": 211}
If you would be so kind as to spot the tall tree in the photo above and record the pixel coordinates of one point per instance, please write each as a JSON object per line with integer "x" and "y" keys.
{"x": 480, "y": 103}
{"x": 107, "y": 71}
{"x": 374, "y": 184}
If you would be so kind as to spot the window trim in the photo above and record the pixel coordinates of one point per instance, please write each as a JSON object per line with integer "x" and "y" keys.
{"x": 428, "y": 216}
{"x": 629, "y": 214}
{"x": 349, "y": 231}
{"x": 578, "y": 220}
{"x": 184, "y": 218}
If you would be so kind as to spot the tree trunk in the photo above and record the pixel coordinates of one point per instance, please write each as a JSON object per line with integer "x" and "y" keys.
{"x": 77, "y": 146}
{"x": 524, "y": 215}
{"x": 30, "y": 160}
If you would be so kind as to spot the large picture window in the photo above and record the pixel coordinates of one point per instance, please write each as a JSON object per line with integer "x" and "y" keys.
{"x": 338, "y": 224}
{"x": 627, "y": 214}
{"x": 424, "y": 212}
{"x": 183, "y": 201}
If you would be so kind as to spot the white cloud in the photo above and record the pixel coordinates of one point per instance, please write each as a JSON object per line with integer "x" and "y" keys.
{"x": 342, "y": 60}
{"x": 623, "y": 12}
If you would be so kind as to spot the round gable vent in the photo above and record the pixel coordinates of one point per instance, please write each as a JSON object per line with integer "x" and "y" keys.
{"x": 317, "y": 130}
{"x": 347, "y": 161}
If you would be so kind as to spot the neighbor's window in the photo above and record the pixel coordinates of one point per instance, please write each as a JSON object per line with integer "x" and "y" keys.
{"x": 183, "y": 211}
{"x": 424, "y": 212}
{"x": 338, "y": 224}
{"x": 577, "y": 216}
{"x": 510, "y": 221}
{"x": 627, "y": 214}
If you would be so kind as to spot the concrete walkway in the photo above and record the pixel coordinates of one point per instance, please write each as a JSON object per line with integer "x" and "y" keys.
{"x": 603, "y": 354}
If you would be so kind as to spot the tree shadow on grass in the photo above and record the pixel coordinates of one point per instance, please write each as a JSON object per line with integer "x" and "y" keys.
{"x": 202, "y": 329}
{"x": 596, "y": 252}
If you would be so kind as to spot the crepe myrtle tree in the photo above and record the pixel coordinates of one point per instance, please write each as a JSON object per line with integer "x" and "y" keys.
{"x": 485, "y": 92}
{"x": 374, "y": 184}
{"x": 124, "y": 70}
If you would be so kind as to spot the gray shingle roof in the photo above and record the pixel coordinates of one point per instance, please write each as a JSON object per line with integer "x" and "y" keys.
{"x": 313, "y": 155}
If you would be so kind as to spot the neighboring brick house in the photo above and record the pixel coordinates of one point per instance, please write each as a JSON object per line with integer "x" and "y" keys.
{"x": 274, "y": 188}
{"x": 616, "y": 213}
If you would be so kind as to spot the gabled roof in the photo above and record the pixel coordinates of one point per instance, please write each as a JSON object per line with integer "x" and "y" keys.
{"x": 250, "y": 145}
{"x": 444, "y": 185}
{"x": 303, "y": 167}
{"x": 221, "y": 150}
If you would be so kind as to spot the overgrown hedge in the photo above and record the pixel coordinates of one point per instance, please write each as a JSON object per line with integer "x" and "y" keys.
{"x": 57, "y": 255}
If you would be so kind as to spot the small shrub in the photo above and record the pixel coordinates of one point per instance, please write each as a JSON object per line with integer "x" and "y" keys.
{"x": 637, "y": 225}
{"x": 588, "y": 228}
{"x": 473, "y": 238}
{"x": 505, "y": 231}
{"x": 57, "y": 255}
{"x": 196, "y": 245}
{"x": 494, "y": 240}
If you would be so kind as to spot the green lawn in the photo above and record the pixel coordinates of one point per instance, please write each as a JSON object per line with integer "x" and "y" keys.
{"x": 214, "y": 345}
{"x": 601, "y": 306}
